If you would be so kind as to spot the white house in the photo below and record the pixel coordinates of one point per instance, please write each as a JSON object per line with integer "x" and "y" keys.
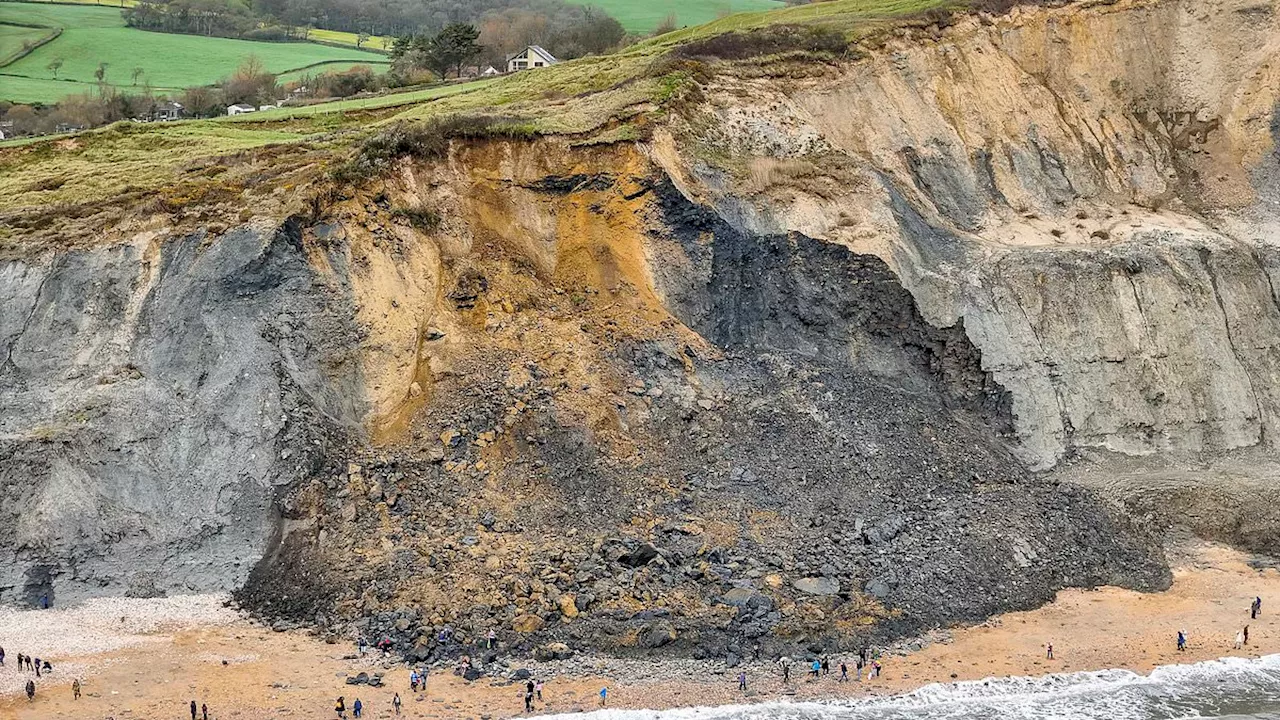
{"x": 491, "y": 71}
{"x": 530, "y": 57}
{"x": 240, "y": 109}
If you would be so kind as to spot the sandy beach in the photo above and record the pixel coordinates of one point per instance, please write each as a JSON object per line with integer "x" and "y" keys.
{"x": 150, "y": 658}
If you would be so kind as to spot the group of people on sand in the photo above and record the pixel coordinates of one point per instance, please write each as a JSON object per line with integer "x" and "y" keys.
{"x": 821, "y": 667}
{"x": 26, "y": 663}
{"x": 357, "y": 707}
{"x": 532, "y": 691}
{"x": 1242, "y": 636}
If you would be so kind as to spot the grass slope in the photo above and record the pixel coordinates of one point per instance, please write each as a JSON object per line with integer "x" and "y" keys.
{"x": 642, "y": 16}
{"x": 577, "y": 97}
{"x": 98, "y": 34}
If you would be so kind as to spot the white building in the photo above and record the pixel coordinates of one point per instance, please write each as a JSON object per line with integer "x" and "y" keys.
{"x": 240, "y": 109}
{"x": 529, "y": 58}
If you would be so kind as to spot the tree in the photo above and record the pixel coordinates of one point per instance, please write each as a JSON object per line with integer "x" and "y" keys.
{"x": 199, "y": 102}
{"x": 101, "y": 73}
{"x": 667, "y": 25}
{"x": 136, "y": 73}
{"x": 456, "y": 46}
{"x": 54, "y": 66}
{"x": 250, "y": 83}
{"x": 361, "y": 38}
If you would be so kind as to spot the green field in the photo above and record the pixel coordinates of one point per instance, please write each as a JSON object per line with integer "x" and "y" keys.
{"x": 97, "y": 34}
{"x": 338, "y": 37}
{"x": 13, "y": 38}
{"x": 642, "y": 16}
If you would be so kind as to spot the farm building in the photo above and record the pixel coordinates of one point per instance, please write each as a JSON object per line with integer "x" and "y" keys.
{"x": 530, "y": 57}
{"x": 167, "y": 111}
{"x": 240, "y": 109}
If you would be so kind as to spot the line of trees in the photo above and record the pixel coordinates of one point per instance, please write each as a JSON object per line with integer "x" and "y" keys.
{"x": 567, "y": 30}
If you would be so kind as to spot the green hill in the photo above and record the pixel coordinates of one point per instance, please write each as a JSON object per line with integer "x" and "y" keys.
{"x": 93, "y": 35}
{"x": 642, "y": 16}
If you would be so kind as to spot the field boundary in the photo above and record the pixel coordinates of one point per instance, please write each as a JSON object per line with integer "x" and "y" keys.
{"x": 348, "y": 46}
{"x": 54, "y": 33}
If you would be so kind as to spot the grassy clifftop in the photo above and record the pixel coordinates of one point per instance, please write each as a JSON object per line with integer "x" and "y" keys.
{"x": 95, "y": 169}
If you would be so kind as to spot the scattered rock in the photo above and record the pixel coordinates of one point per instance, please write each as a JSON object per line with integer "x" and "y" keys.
{"x": 817, "y": 585}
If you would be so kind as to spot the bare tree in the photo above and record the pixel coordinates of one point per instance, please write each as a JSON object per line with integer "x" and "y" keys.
{"x": 101, "y": 73}
{"x": 136, "y": 73}
{"x": 54, "y": 66}
{"x": 362, "y": 38}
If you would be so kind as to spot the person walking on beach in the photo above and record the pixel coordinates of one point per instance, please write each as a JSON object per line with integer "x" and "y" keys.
{"x": 844, "y": 672}
{"x": 604, "y": 696}
{"x": 742, "y": 681}
{"x": 193, "y": 710}
{"x": 1049, "y": 648}
{"x": 537, "y": 689}
{"x": 816, "y": 669}
{"x": 826, "y": 666}
{"x": 31, "y": 690}
{"x": 395, "y": 703}
{"x": 785, "y": 663}
{"x": 1239, "y": 640}
{"x": 1255, "y": 608}
{"x": 357, "y": 708}
{"x": 1246, "y": 634}
{"x": 75, "y": 689}
{"x": 1182, "y": 641}
{"x": 857, "y": 665}
{"x": 493, "y": 638}
{"x": 204, "y": 711}
{"x": 38, "y": 667}
{"x": 339, "y": 707}
{"x": 528, "y": 701}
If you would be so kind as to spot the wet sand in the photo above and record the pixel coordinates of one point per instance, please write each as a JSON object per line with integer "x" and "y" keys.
{"x": 245, "y": 671}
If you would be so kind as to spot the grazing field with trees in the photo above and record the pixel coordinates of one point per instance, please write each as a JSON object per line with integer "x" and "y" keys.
{"x": 96, "y": 50}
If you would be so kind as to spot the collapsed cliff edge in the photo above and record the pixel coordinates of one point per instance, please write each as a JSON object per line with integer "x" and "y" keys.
{"x": 799, "y": 337}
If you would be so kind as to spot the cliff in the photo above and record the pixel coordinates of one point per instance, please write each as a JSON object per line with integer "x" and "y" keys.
{"x": 797, "y": 349}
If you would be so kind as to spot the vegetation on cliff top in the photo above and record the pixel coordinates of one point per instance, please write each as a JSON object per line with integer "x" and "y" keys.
{"x": 577, "y": 97}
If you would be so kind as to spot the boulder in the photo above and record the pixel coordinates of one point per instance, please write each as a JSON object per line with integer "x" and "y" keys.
{"x": 655, "y": 636}
{"x": 643, "y": 554}
{"x": 568, "y": 606}
{"x": 877, "y": 587}
{"x": 553, "y": 651}
{"x": 817, "y": 585}
{"x": 527, "y": 623}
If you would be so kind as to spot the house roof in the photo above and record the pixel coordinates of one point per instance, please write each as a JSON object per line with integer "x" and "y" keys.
{"x": 242, "y": 106}
{"x": 538, "y": 50}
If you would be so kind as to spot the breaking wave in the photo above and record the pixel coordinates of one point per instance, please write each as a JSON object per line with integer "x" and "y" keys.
{"x": 1229, "y": 688}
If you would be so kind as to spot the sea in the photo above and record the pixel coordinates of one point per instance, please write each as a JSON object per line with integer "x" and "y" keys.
{"x": 1228, "y": 689}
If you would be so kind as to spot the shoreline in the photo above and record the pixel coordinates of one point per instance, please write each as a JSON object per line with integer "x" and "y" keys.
{"x": 246, "y": 671}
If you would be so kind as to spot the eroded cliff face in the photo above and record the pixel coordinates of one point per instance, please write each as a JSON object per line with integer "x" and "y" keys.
{"x": 780, "y": 374}
{"x": 608, "y": 417}
{"x": 1090, "y": 188}
{"x": 153, "y": 397}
